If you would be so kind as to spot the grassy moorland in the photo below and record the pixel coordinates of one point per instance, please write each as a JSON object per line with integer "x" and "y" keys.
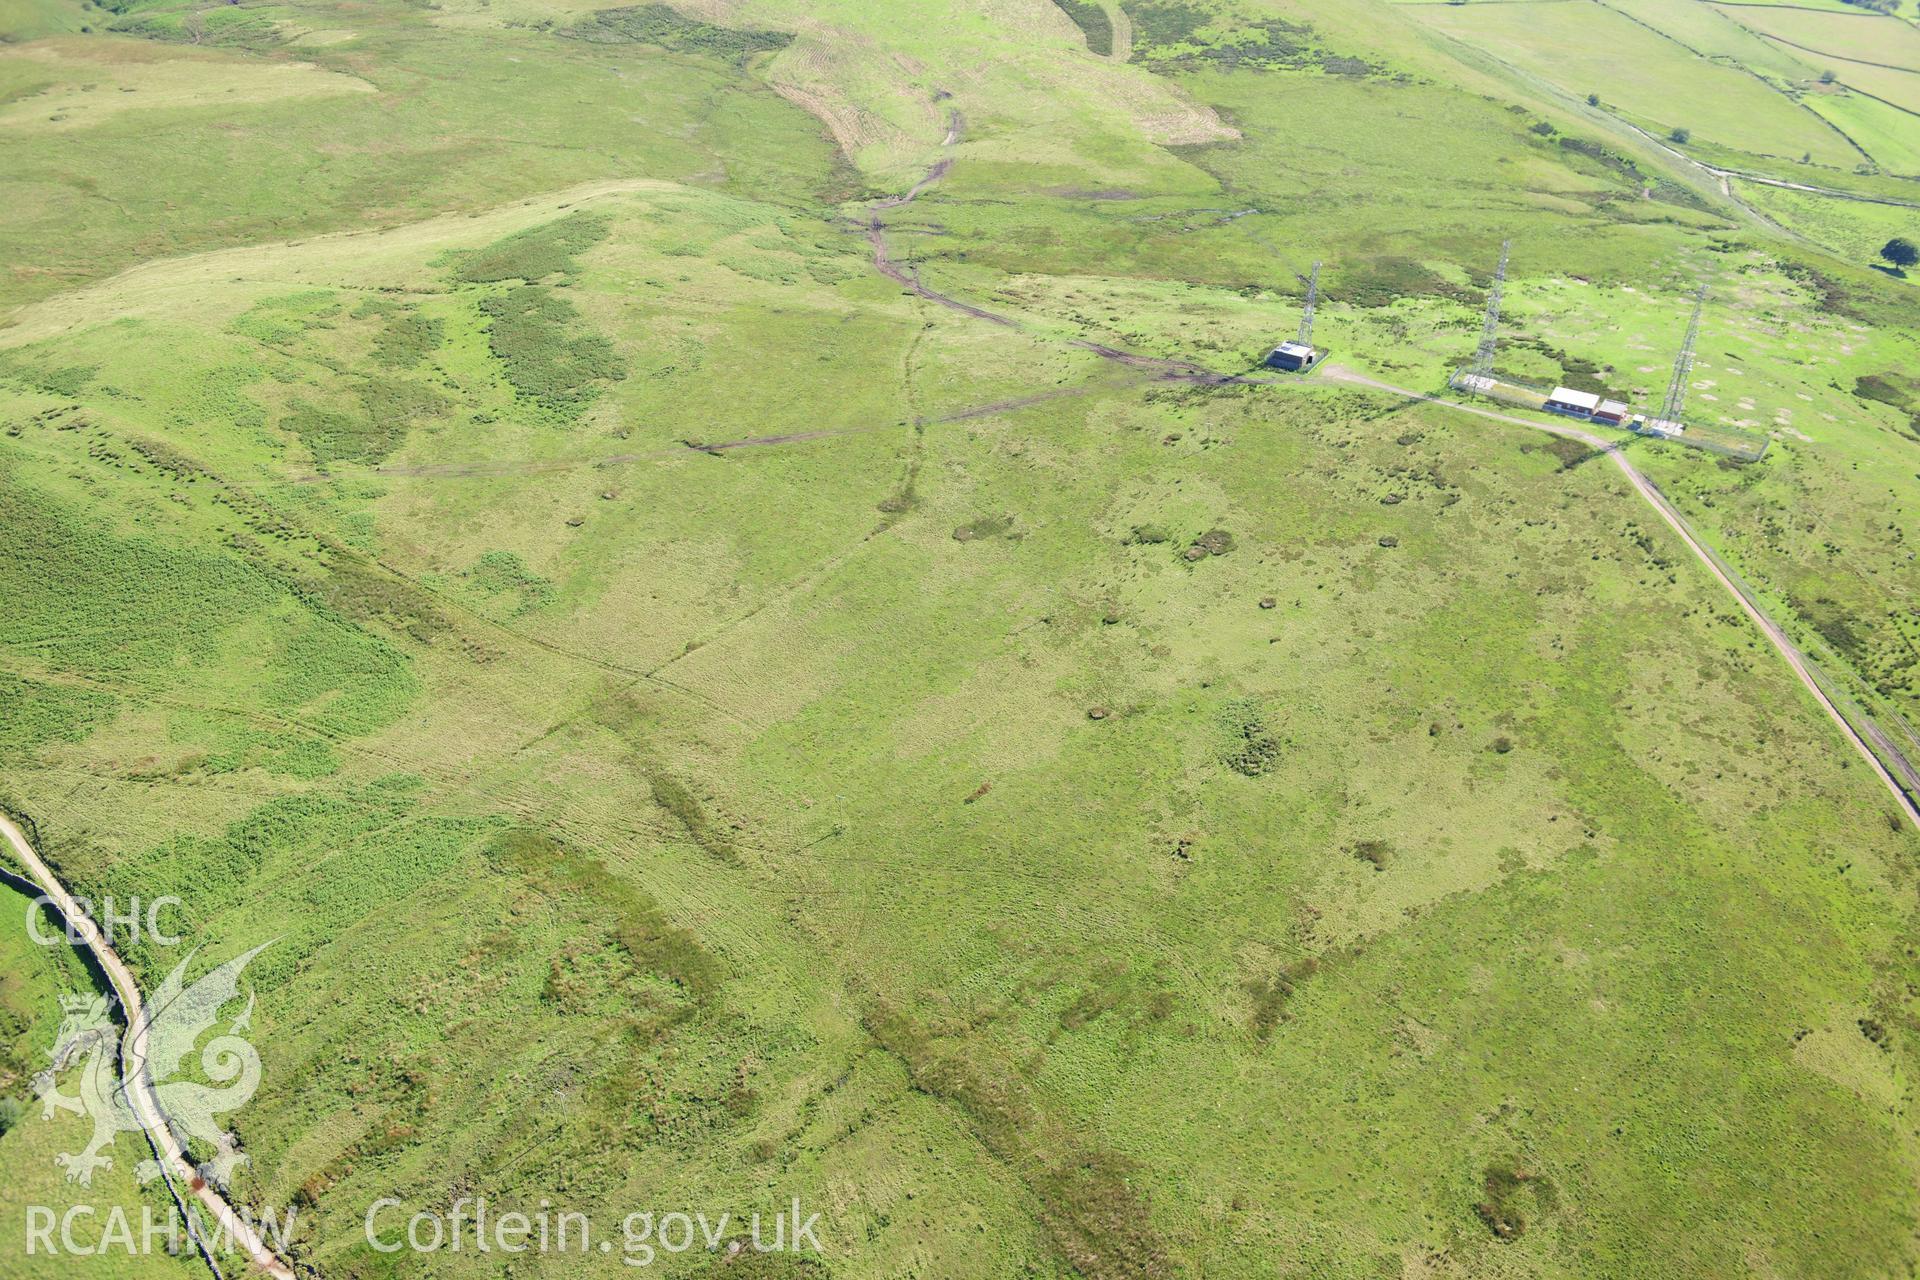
{"x": 1050, "y": 818}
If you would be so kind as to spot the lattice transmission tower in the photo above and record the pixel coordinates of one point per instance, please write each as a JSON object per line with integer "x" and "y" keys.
{"x": 1313, "y": 296}
{"x": 1483, "y": 357}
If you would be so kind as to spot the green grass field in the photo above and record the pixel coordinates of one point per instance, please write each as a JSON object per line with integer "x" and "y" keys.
{"x": 1711, "y": 33}
{"x": 1903, "y": 10}
{"x": 1868, "y": 38}
{"x": 1586, "y": 48}
{"x": 1883, "y": 131}
{"x": 702, "y": 723}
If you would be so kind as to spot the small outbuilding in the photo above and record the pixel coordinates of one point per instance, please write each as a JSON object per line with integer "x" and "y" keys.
{"x": 1576, "y": 404}
{"x": 1292, "y": 357}
{"x": 1611, "y": 412}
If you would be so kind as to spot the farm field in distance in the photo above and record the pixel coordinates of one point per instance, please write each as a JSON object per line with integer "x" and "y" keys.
{"x": 706, "y": 611}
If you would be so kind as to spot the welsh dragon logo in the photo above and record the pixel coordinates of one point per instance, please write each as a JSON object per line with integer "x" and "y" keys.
{"x": 170, "y": 1026}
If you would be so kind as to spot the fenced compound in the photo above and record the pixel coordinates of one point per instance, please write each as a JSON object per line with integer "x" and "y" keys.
{"x": 1486, "y": 384}
{"x": 1728, "y": 442}
{"x": 1479, "y": 379}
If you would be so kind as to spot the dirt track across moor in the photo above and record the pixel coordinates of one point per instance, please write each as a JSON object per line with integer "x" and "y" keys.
{"x": 141, "y": 1096}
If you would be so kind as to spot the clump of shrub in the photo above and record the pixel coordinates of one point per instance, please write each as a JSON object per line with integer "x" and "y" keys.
{"x": 1882, "y": 389}
{"x": 67, "y": 380}
{"x": 1108, "y": 989}
{"x": 671, "y": 795}
{"x": 389, "y": 407}
{"x": 1375, "y": 852}
{"x": 1611, "y": 161}
{"x": 332, "y": 436}
{"x": 357, "y": 589}
{"x": 636, "y": 922}
{"x": 1086, "y": 1198}
{"x": 37, "y": 714}
{"x": 747, "y": 1263}
{"x": 1271, "y": 994}
{"x": 1386, "y": 280}
{"x": 983, "y": 527}
{"x": 1093, "y": 23}
{"x": 277, "y": 321}
{"x": 397, "y": 403}
{"x": 665, "y": 28}
{"x": 406, "y": 339}
{"x": 1502, "y": 1186}
{"x": 500, "y": 571}
{"x": 1252, "y": 747}
{"x": 1175, "y": 35}
{"x": 1215, "y": 542}
{"x": 1571, "y": 453}
{"x": 536, "y": 253}
{"x": 1094, "y": 1216}
{"x": 532, "y": 335}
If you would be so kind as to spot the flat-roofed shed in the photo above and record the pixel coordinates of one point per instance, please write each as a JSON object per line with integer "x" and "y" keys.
{"x": 1579, "y": 403}
{"x": 1292, "y": 355}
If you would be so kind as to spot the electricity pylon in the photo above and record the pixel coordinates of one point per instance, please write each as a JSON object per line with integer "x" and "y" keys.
{"x": 1313, "y": 296}
{"x": 1483, "y": 357}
